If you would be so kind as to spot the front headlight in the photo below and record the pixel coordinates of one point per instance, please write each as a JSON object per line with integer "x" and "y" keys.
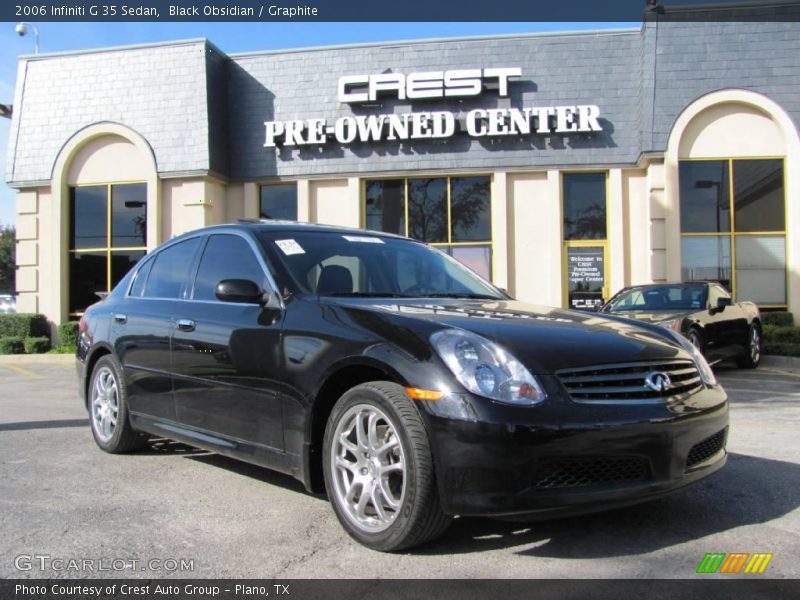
{"x": 700, "y": 361}
{"x": 486, "y": 369}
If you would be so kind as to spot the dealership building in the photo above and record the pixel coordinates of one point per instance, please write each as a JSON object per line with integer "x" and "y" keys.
{"x": 562, "y": 166}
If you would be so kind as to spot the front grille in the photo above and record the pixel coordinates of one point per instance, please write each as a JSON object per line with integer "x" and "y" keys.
{"x": 704, "y": 450}
{"x": 578, "y": 472}
{"x": 626, "y": 381}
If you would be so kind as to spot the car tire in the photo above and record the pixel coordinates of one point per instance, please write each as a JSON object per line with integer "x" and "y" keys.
{"x": 695, "y": 337}
{"x": 376, "y": 443}
{"x": 108, "y": 409}
{"x": 753, "y": 349}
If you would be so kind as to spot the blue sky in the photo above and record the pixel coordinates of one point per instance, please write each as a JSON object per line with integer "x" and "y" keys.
{"x": 230, "y": 37}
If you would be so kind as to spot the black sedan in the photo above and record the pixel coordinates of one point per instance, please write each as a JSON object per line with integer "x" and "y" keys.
{"x": 703, "y": 312}
{"x": 383, "y": 372}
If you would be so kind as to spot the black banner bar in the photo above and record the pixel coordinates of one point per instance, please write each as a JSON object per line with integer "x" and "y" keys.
{"x": 387, "y": 11}
{"x": 706, "y": 587}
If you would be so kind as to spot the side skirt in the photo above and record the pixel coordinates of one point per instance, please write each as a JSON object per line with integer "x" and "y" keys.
{"x": 251, "y": 452}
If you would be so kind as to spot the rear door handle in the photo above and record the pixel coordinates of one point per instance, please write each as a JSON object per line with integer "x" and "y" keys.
{"x": 185, "y": 324}
{"x": 120, "y": 318}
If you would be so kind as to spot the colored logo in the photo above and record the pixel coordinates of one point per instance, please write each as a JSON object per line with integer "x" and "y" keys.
{"x": 657, "y": 381}
{"x": 736, "y": 562}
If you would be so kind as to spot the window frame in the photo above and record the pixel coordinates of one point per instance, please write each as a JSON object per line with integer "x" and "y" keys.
{"x": 591, "y": 243}
{"x": 732, "y": 234}
{"x": 108, "y": 248}
{"x": 442, "y": 246}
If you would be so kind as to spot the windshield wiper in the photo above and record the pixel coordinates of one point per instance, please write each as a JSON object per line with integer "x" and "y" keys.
{"x": 367, "y": 295}
{"x": 462, "y": 295}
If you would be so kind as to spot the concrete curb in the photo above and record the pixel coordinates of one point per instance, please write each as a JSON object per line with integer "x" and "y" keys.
{"x": 786, "y": 362}
{"x": 37, "y": 359}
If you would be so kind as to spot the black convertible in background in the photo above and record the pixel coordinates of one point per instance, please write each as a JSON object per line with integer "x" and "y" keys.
{"x": 702, "y": 311}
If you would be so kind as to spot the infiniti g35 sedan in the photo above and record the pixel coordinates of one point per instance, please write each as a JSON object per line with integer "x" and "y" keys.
{"x": 702, "y": 311}
{"x": 383, "y": 372}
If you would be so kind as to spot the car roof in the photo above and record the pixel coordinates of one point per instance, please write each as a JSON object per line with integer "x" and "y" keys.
{"x": 649, "y": 286}
{"x": 270, "y": 225}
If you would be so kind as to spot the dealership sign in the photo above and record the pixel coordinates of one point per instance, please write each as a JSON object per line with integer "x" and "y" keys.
{"x": 432, "y": 85}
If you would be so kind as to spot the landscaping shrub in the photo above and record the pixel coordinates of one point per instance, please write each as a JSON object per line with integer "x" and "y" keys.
{"x": 24, "y": 325}
{"x": 781, "y": 340}
{"x": 780, "y": 318}
{"x": 37, "y": 345}
{"x": 68, "y": 335}
{"x": 11, "y": 345}
{"x": 781, "y": 349}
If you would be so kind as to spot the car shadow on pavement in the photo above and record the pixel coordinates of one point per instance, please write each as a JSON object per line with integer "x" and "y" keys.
{"x": 54, "y": 424}
{"x": 749, "y": 490}
{"x": 162, "y": 446}
{"x": 255, "y": 472}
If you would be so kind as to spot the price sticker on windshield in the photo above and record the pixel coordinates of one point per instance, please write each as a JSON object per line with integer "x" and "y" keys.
{"x": 363, "y": 238}
{"x": 289, "y": 247}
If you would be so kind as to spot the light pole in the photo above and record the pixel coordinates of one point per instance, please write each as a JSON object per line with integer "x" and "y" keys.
{"x": 22, "y": 30}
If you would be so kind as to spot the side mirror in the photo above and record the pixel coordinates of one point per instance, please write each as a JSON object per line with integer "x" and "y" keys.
{"x": 722, "y": 303}
{"x": 239, "y": 290}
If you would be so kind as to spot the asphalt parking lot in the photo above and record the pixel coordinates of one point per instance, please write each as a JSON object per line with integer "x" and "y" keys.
{"x": 62, "y": 497}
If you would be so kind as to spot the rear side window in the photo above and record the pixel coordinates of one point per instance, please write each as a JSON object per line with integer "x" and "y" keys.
{"x": 137, "y": 289}
{"x": 226, "y": 257}
{"x": 170, "y": 270}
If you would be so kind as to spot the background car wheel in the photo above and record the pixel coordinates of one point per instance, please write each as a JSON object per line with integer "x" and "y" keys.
{"x": 108, "y": 409}
{"x": 752, "y": 352}
{"x": 696, "y": 339}
{"x": 379, "y": 471}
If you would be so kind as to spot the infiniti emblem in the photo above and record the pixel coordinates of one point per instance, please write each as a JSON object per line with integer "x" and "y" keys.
{"x": 657, "y": 381}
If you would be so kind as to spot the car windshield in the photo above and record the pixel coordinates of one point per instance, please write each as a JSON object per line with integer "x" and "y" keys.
{"x": 667, "y": 297}
{"x": 364, "y": 265}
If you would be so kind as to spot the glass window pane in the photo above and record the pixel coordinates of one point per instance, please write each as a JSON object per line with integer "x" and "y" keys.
{"x": 477, "y": 258}
{"x": 758, "y": 195}
{"x": 87, "y": 275}
{"x": 129, "y": 215}
{"x": 470, "y": 209}
{"x": 123, "y": 261}
{"x": 226, "y": 257}
{"x": 706, "y": 258}
{"x": 584, "y": 206}
{"x": 170, "y": 272}
{"x": 279, "y": 202}
{"x": 386, "y": 210}
{"x": 586, "y": 275}
{"x": 761, "y": 268}
{"x": 705, "y": 196}
{"x": 427, "y": 209}
{"x": 88, "y": 217}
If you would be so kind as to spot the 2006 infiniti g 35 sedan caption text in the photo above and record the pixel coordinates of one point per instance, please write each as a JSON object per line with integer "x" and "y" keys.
{"x": 385, "y": 373}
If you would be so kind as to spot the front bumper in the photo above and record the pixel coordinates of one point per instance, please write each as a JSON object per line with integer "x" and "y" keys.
{"x": 568, "y": 458}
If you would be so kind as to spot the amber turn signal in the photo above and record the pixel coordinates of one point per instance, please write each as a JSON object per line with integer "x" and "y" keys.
{"x": 420, "y": 394}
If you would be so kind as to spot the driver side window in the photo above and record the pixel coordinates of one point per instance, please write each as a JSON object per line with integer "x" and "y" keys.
{"x": 226, "y": 256}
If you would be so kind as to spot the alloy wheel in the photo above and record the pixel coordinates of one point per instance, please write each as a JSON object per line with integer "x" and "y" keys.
{"x": 105, "y": 404}
{"x": 755, "y": 345}
{"x": 368, "y": 468}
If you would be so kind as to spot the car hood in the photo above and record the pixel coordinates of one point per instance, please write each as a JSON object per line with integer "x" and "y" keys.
{"x": 545, "y": 339}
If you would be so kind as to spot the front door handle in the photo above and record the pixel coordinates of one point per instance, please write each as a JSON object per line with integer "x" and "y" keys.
{"x": 120, "y": 318}
{"x": 185, "y": 324}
